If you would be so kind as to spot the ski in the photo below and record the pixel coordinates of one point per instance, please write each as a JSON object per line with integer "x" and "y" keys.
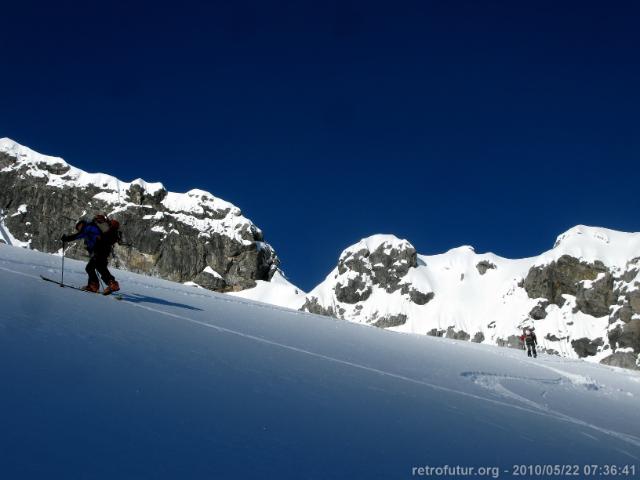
{"x": 66, "y": 285}
{"x": 61, "y": 284}
{"x": 117, "y": 296}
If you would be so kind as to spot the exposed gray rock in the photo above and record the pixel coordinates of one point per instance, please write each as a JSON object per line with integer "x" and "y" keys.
{"x": 586, "y": 347}
{"x": 624, "y": 313}
{"x": 390, "y": 321}
{"x": 539, "y": 312}
{"x": 312, "y": 305}
{"x": 180, "y": 254}
{"x": 559, "y": 278}
{"x": 356, "y": 290}
{"x": 623, "y": 360}
{"x": 478, "y": 337}
{"x": 385, "y": 266}
{"x": 626, "y": 336}
{"x": 211, "y": 282}
{"x": 420, "y": 298}
{"x": 597, "y": 298}
{"x": 459, "y": 335}
{"x": 633, "y": 299}
{"x": 485, "y": 265}
{"x": 434, "y": 332}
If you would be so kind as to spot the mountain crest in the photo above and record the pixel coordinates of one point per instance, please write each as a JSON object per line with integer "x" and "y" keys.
{"x": 178, "y": 236}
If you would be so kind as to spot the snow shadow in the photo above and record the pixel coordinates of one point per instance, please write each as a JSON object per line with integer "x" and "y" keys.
{"x": 136, "y": 298}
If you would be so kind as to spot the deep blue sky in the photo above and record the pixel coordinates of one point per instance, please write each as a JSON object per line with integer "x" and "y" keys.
{"x": 495, "y": 124}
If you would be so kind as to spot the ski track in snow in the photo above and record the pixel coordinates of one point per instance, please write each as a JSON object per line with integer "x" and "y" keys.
{"x": 489, "y": 381}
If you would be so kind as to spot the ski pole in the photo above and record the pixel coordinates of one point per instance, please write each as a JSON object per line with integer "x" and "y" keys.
{"x": 62, "y": 279}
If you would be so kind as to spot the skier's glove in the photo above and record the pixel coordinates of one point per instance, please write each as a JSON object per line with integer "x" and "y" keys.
{"x": 64, "y": 238}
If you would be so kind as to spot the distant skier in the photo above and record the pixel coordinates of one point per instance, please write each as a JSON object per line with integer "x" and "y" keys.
{"x": 530, "y": 341}
{"x": 99, "y": 234}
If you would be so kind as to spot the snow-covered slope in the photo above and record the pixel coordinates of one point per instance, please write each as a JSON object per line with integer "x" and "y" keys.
{"x": 278, "y": 291}
{"x": 573, "y": 294}
{"x": 179, "y": 382}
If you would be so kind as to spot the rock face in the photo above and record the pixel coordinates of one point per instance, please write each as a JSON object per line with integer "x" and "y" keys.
{"x": 483, "y": 266}
{"x": 376, "y": 266}
{"x": 582, "y": 296}
{"x": 585, "y": 347}
{"x": 560, "y": 278}
{"x": 384, "y": 266}
{"x": 599, "y": 291}
{"x": 540, "y": 310}
{"x": 173, "y": 236}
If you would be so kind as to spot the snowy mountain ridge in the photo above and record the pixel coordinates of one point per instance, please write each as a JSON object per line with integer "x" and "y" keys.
{"x": 582, "y": 296}
{"x": 164, "y": 228}
{"x": 186, "y": 207}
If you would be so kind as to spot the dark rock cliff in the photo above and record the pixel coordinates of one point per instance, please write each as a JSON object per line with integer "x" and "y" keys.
{"x": 173, "y": 236}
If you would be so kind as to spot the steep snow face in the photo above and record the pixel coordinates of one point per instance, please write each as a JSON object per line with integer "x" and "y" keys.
{"x": 174, "y": 235}
{"x": 178, "y": 382}
{"x": 573, "y": 295}
{"x": 277, "y": 291}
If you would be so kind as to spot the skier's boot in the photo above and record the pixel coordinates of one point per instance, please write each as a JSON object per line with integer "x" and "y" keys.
{"x": 111, "y": 287}
{"x": 91, "y": 287}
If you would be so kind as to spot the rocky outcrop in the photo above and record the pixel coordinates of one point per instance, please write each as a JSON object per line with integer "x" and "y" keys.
{"x": 173, "y": 236}
{"x": 389, "y": 321}
{"x": 416, "y": 296}
{"x": 585, "y": 347}
{"x": 623, "y": 360}
{"x": 626, "y": 335}
{"x": 595, "y": 297}
{"x": 355, "y": 290}
{"x": 478, "y": 337}
{"x": 624, "y": 321}
{"x": 560, "y": 277}
{"x": 312, "y": 305}
{"x": 380, "y": 263}
{"x": 385, "y": 266}
{"x": 485, "y": 265}
{"x": 457, "y": 335}
{"x": 539, "y": 312}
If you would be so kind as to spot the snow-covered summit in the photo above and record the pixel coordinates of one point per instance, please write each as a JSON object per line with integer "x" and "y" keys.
{"x": 374, "y": 242}
{"x": 611, "y": 247}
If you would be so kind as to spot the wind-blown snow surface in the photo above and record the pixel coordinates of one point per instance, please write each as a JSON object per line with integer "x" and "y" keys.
{"x": 179, "y": 382}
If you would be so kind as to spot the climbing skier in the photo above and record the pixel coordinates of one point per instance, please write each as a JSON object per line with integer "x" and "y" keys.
{"x": 530, "y": 341}
{"x": 99, "y": 234}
